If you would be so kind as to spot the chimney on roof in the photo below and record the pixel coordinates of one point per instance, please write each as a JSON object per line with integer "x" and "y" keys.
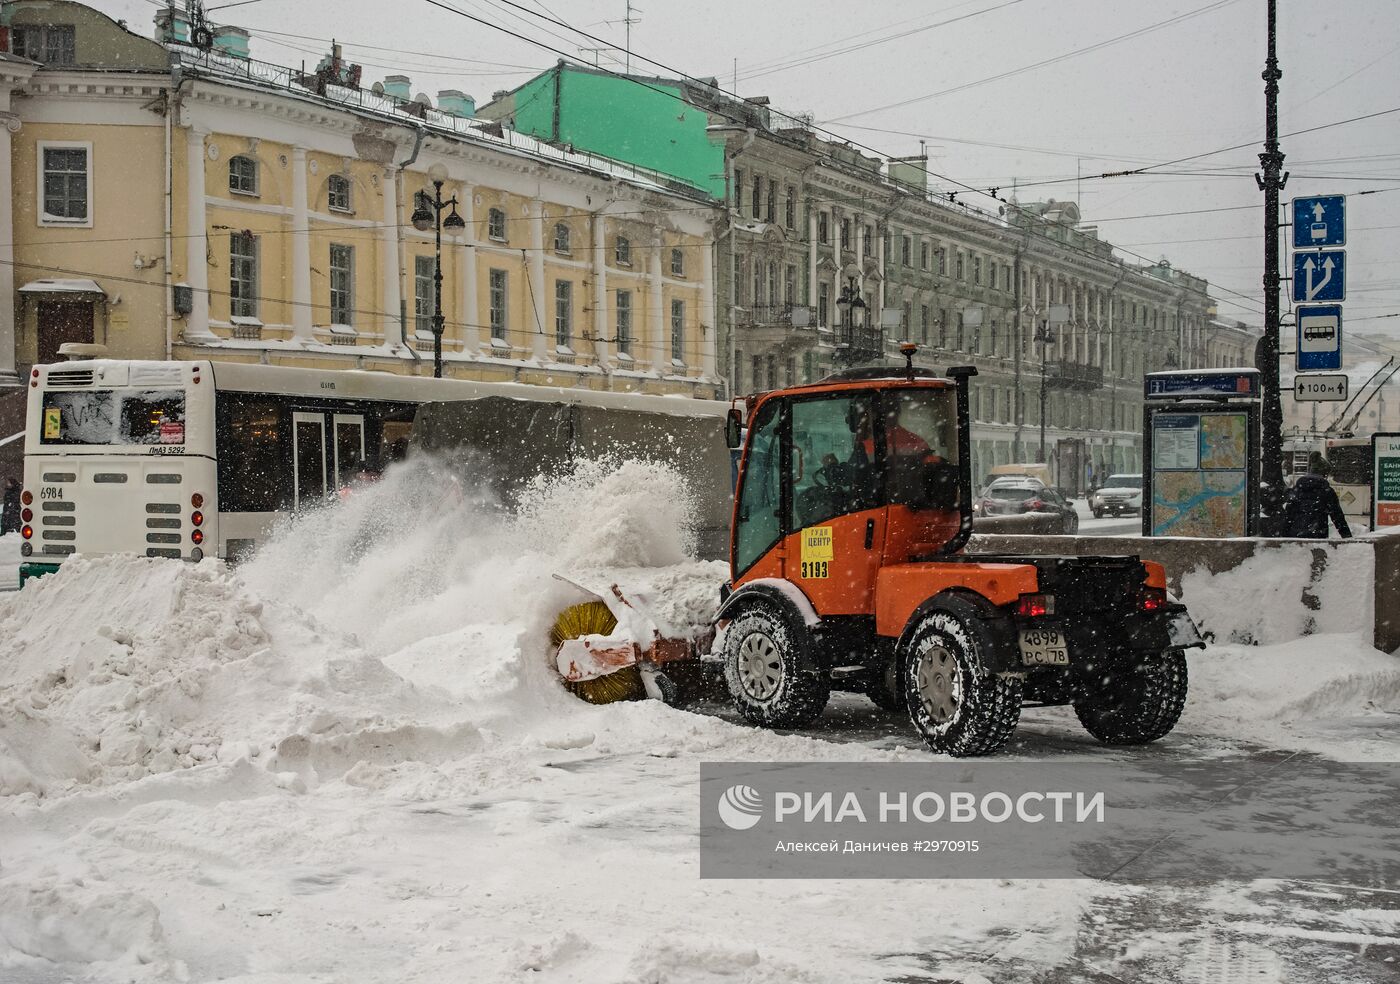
{"x": 172, "y": 26}
{"x": 398, "y": 87}
{"x": 231, "y": 41}
{"x": 454, "y": 102}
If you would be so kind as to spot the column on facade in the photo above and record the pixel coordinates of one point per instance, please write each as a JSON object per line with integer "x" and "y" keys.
{"x": 536, "y": 290}
{"x": 812, "y": 290}
{"x": 389, "y": 284}
{"x": 301, "y": 250}
{"x": 600, "y": 288}
{"x": 880, "y": 298}
{"x": 196, "y": 231}
{"x": 859, "y": 232}
{"x": 661, "y": 350}
{"x": 708, "y": 338}
{"x": 472, "y": 319}
{"x": 8, "y": 376}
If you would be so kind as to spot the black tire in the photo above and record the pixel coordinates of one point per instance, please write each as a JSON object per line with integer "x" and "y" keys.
{"x": 1133, "y": 702}
{"x": 762, "y": 669}
{"x": 1071, "y": 524}
{"x": 954, "y": 705}
{"x": 885, "y": 689}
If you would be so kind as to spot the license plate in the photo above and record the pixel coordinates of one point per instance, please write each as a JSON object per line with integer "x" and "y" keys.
{"x": 1044, "y": 647}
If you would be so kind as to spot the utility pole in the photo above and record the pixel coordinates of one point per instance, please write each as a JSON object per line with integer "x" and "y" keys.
{"x": 1271, "y": 182}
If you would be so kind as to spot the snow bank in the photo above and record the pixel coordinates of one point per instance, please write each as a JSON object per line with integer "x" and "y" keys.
{"x": 1284, "y": 592}
{"x": 1333, "y": 694}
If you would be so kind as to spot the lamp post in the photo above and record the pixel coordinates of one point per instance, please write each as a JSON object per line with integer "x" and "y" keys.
{"x": 1057, "y": 315}
{"x": 428, "y": 215}
{"x": 853, "y": 314}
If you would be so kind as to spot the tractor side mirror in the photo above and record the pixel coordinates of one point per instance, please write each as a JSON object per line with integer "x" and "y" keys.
{"x": 734, "y": 429}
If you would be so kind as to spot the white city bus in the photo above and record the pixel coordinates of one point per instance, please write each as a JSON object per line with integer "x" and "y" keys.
{"x": 195, "y": 459}
{"x": 1349, "y": 461}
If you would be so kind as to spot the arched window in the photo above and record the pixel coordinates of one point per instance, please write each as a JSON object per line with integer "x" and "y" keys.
{"x": 243, "y": 175}
{"x": 338, "y": 193}
{"x": 496, "y": 225}
{"x": 561, "y": 238}
{"x": 622, "y": 252}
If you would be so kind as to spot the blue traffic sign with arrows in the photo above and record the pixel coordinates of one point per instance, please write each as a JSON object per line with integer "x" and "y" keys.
{"x": 1319, "y": 221}
{"x": 1319, "y": 275}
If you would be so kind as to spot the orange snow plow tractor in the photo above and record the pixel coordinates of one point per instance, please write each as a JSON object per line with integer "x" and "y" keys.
{"x": 853, "y": 505}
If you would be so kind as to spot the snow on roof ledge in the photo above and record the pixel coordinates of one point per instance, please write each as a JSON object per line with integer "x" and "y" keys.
{"x": 52, "y": 286}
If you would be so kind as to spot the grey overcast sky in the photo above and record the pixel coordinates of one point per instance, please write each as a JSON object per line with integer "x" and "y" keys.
{"x": 1084, "y": 87}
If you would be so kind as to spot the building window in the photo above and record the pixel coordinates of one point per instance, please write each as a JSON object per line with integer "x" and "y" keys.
{"x": 823, "y": 228}
{"x": 823, "y": 305}
{"x": 52, "y": 44}
{"x": 771, "y": 213}
{"x": 790, "y": 285}
{"x": 624, "y": 322}
{"x": 563, "y": 313}
{"x": 423, "y": 267}
{"x": 790, "y": 209}
{"x": 757, "y": 283}
{"x": 496, "y": 225}
{"x": 756, "y": 374}
{"x": 923, "y": 323}
{"x": 867, "y": 241}
{"x": 338, "y": 193}
{"x": 959, "y": 339}
{"x": 771, "y": 363}
{"x": 906, "y": 251}
{"x": 678, "y": 332}
{"x": 739, "y": 189}
{"x": 561, "y": 238}
{"x": 65, "y": 183}
{"x": 960, "y": 265}
{"x": 243, "y": 275}
{"x": 497, "y": 303}
{"x": 342, "y": 284}
{"x": 845, "y": 233}
{"x": 908, "y": 319}
{"x": 942, "y": 262}
{"x": 923, "y": 256}
{"x": 757, "y": 203}
{"x": 943, "y": 328}
{"x": 977, "y": 270}
{"x": 243, "y": 175}
{"x": 807, "y": 367}
{"x": 677, "y": 262}
{"x": 622, "y": 252}
{"x": 773, "y": 283}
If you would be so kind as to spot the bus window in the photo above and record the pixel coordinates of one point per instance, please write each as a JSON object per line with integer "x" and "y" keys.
{"x": 250, "y": 454}
{"x": 1351, "y": 463}
{"x": 112, "y": 417}
{"x": 309, "y": 459}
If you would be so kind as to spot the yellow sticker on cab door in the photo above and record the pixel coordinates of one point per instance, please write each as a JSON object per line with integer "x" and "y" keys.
{"x": 53, "y": 423}
{"x": 816, "y": 552}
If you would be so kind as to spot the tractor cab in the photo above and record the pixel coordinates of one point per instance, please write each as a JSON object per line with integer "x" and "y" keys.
{"x": 848, "y": 475}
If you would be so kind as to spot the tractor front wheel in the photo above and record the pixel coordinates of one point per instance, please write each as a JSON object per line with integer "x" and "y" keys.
{"x": 955, "y": 706}
{"x": 763, "y": 668}
{"x": 1132, "y": 701}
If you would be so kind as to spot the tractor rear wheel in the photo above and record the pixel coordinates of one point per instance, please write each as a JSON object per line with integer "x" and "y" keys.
{"x": 763, "y": 668}
{"x": 955, "y": 706}
{"x": 1133, "y": 701}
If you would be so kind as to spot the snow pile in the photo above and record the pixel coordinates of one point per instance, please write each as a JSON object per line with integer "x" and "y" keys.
{"x": 1284, "y": 592}
{"x": 120, "y": 667}
{"x": 1333, "y": 694}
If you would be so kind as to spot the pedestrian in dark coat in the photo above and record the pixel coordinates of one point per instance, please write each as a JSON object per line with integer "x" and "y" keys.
{"x": 9, "y": 510}
{"x": 1312, "y": 502}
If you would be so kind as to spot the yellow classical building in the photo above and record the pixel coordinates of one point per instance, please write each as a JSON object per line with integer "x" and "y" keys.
{"x": 172, "y": 199}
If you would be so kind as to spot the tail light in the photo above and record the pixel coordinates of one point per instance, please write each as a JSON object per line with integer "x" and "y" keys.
{"x": 26, "y": 514}
{"x": 196, "y": 500}
{"x": 197, "y": 536}
{"x": 1035, "y": 504}
{"x": 197, "y": 518}
{"x": 1035, "y": 605}
{"x": 27, "y": 497}
{"x": 1152, "y": 599}
{"x": 27, "y": 531}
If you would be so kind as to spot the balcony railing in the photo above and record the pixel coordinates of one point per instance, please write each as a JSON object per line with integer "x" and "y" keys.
{"x": 780, "y": 315}
{"x": 1060, "y": 374}
{"x": 858, "y": 346}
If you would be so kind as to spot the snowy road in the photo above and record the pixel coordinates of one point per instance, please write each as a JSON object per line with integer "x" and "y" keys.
{"x": 351, "y": 761}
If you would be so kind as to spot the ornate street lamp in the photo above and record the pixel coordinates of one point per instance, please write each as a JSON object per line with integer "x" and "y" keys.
{"x": 428, "y": 215}
{"x": 853, "y": 314}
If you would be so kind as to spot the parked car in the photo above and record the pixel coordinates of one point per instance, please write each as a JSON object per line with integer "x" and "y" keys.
{"x": 1119, "y": 494}
{"x": 1015, "y": 496}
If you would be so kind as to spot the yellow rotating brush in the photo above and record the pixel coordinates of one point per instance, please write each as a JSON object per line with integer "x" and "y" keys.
{"x": 593, "y": 618}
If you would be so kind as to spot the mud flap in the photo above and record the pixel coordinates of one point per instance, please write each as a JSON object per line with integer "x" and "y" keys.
{"x": 1182, "y": 632}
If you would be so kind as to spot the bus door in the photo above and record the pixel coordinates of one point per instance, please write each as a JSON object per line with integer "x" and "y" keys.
{"x": 349, "y": 447}
{"x": 308, "y": 459}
